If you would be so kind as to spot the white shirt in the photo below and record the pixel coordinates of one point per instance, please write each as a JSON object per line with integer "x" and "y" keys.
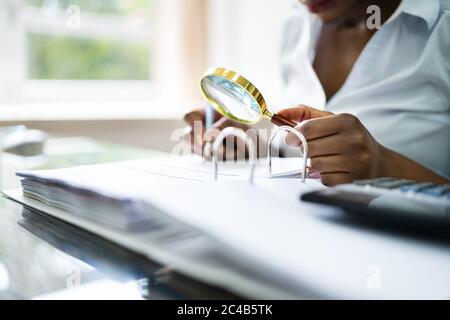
{"x": 399, "y": 86}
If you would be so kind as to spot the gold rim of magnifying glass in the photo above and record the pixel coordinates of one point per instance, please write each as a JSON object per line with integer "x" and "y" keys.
{"x": 241, "y": 82}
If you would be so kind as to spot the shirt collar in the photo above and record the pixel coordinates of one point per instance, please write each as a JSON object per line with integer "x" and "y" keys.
{"x": 426, "y": 10}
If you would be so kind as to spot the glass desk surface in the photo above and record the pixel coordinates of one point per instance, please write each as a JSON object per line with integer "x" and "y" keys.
{"x": 43, "y": 257}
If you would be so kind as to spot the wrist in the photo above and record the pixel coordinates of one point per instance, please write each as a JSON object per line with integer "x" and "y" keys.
{"x": 387, "y": 163}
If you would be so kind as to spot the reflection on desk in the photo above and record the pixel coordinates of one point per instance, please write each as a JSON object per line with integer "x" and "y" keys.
{"x": 41, "y": 255}
{"x": 154, "y": 280}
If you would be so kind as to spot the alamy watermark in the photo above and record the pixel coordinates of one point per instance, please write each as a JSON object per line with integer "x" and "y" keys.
{"x": 373, "y": 281}
{"x": 197, "y": 140}
{"x": 74, "y": 277}
{"x": 374, "y": 19}
{"x": 73, "y": 20}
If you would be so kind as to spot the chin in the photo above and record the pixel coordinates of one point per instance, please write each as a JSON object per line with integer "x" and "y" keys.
{"x": 327, "y": 16}
{"x": 329, "y": 10}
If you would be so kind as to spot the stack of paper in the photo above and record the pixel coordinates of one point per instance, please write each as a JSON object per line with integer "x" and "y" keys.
{"x": 256, "y": 239}
{"x": 112, "y": 193}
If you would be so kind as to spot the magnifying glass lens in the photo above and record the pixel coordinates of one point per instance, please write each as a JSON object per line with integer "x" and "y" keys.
{"x": 231, "y": 99}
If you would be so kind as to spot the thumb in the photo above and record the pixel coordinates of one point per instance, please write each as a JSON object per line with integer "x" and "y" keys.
{"x": 301, "y": 113}
{"x": 194, "y": 115}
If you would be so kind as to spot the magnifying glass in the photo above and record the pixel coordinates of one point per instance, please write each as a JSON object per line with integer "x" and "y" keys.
{"x": 236, "y": 98}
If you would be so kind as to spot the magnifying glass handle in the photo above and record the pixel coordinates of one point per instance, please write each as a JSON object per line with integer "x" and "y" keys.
{"x": 280, "y": 121}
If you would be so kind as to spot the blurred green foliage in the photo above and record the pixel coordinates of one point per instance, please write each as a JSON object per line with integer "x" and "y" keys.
{"x": 57, "y": 57}
{"x": 54, "y": 57}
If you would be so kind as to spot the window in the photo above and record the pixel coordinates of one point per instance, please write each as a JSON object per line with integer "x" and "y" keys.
{"x": 76, "y": 41}
{"x": 110, "y": 41}
{"x": 97, "y": 50}
{"x": 91, "y": 58}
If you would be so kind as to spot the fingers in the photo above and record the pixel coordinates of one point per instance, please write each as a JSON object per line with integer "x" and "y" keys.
{"x": 219, "y": 125}
{"x": 188, "y": 138}
{"x": 233, "y": 148}
{"x": 301, "y": 113}
{"x": 326, "y": 146}
{"x": 194, "y": 136}
{"x": 199, "y": 115}
{"x": 211, "y": 134}
{"x": 315, "y": 129}
{"x": 194, "y": 115}
{"x": 321, "y": 127}
{"x": 332, "y": 179}
{"x": 330, "y": 164}
{"x": 198, "y": 137}
{"x": 340, "y": 147}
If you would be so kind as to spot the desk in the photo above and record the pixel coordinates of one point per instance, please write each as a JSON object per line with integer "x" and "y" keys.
{"x": 42, "y": 256}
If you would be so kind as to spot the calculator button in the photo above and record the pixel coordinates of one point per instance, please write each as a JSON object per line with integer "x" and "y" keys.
{"x": 393, "y": 184}
{"x": 372, "y": 182}
{"x": 416, "y": 187}
{"x": 446, "y": 191}
{"x": 436, "y": 191}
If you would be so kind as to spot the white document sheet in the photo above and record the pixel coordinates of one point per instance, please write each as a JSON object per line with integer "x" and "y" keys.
{"x": 194, "y": 254}
{"x": 261, "y": 241}
{"x": 307, "y": 247}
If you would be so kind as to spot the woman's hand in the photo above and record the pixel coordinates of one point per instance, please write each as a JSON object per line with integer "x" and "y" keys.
{"x": 342, "y": 149}
{"x": 197, "y": 136}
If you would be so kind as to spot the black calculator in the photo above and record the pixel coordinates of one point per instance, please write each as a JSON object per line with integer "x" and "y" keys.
{"x": 389, "y": 201}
